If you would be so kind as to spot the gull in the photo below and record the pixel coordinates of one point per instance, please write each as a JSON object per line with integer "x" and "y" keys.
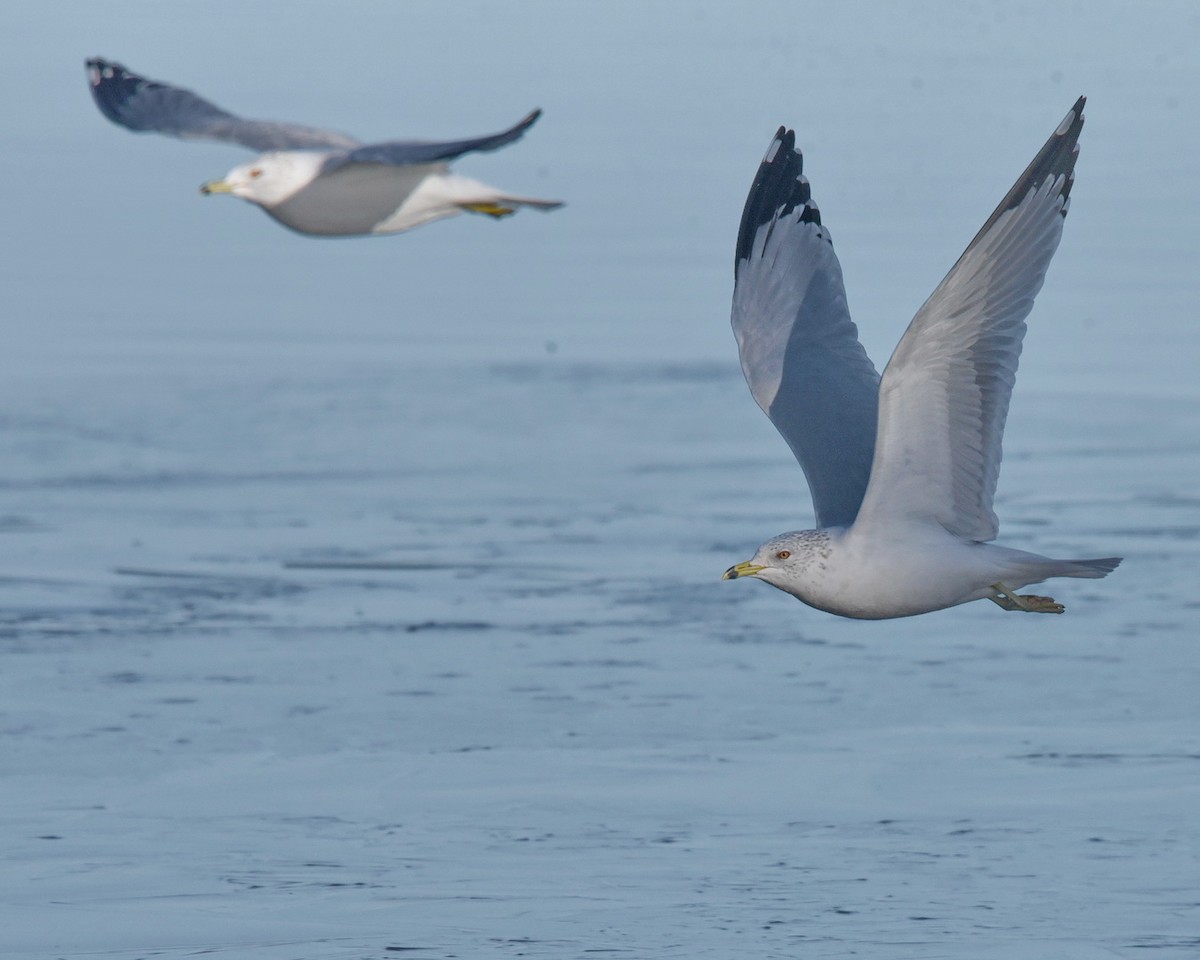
{"x": 316, "y": 181}
{"x": 902, "y": 468}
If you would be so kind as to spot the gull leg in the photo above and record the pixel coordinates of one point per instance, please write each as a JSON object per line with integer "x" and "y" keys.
{"x": 1031, "y": 603}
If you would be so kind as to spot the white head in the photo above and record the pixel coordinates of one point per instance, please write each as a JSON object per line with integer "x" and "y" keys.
{"x": 786, "y": 561}
{"x": 270, "y": 179}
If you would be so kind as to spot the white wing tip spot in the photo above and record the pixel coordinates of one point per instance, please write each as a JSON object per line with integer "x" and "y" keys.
{"x": 1066, "y": 124}
{"x": 773, "y": 150}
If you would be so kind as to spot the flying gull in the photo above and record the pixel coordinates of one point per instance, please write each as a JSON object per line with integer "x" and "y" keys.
{"x": 316, "y": 181}
{"x": 902, "y": 469}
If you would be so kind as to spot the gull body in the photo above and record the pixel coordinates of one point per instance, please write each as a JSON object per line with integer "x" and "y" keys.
{"x": 902, "y": 469}
{"x": 316, "y": 182}
{"x": 902, "y": 570}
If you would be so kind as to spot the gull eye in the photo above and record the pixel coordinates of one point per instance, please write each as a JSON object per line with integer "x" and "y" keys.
{"x": 256, "y": 173}
{"x": 783, "y": 554}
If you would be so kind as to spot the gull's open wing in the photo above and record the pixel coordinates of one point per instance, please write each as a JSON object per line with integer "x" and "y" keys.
{"x": 944, "y": 395}
{"x": 419, "y": 151}
{"x": 799, "y": 348}
{"x": 147, "y": 105}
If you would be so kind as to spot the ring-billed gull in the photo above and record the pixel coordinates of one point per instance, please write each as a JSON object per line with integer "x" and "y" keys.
{"x": 903, "y": 468}
{"x": 316, "y": 181}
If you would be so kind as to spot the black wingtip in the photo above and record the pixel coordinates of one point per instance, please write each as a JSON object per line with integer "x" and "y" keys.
{"x": 113, "y": 86}
{"x": 1057, "y": 158}
{"x": 517, "y": 130}
{"x": 101, "y": 71}
{"x": 512, "y": 134}
{"x": 779, "y": 188}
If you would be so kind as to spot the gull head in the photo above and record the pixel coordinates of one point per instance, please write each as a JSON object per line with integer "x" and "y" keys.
{"x": 787, "y": 561}
{"x": 271, "y": 178}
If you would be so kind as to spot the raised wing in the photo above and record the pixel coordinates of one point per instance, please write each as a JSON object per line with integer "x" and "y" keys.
{"x": 402, "y": 152}
{"x": 799, "y": 348}
{"x": 944, "y": 395}
{"x": 149, "y": 106}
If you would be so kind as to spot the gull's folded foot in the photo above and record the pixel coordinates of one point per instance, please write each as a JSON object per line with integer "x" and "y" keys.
{"x": 1029, "y": 602}
{"x": 496, "y": 210}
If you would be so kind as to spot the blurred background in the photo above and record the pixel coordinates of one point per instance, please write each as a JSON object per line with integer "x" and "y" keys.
{"x": 914, "y": 121}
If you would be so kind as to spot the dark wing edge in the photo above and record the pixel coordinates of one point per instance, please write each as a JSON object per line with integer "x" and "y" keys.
{"x": 1056, "y": 158}
{"x": 117, "y": 91}
{"x": 143, "y": 105}
{"x": 431, "y": 151}
{"x": 778, "y": 188}
{"x": 799, "y": 348}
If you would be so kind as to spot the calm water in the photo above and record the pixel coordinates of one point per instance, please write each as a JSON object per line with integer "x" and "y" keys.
{"x": 361, "y": 599}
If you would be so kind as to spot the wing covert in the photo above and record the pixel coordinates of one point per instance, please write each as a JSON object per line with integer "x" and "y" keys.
{"x": 799, "y": 348}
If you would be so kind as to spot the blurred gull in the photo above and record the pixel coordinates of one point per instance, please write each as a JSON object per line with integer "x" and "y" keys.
{"x": 316, "y": 181}
{"x": 902, "y": 469}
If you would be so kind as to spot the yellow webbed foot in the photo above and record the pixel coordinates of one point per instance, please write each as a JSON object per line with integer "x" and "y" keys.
{"x": 491, "y": 209}
{"x": 1028, "y": 602}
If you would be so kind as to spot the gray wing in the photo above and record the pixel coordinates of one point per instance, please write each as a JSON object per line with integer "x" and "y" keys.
{"x": 945, "y": 393}
{"x": 799, "y": 348}
{"x": 144, "y": 105}
{"x": 403, "y": 152}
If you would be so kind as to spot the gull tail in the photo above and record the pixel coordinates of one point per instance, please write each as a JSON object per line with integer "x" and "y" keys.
{"x": 1086, "y": 569}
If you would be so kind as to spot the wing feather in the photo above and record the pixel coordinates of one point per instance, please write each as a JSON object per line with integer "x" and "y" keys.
{"x": 945, "y": 393}
{"x": 144, "y": 105}
{"x": 403, "y": 152}
{"x": 799, "y": 348}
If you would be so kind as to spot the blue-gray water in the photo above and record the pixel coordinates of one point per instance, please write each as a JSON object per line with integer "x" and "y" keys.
{"x": 364, "y": 594}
